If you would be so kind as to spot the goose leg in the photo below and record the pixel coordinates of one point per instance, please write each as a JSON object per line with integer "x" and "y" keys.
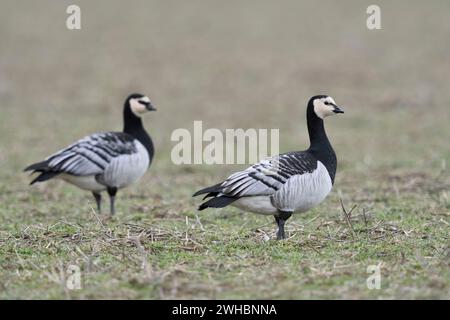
{"x": 98, "y": 200}
{"x": 112, "y": 197}
{"x": 281, "y": 219}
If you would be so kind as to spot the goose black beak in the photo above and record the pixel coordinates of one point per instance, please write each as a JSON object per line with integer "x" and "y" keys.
{"x": 150, "y": 107}
{"x": 337, "y": 109}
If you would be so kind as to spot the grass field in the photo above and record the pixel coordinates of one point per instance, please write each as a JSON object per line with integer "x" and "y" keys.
{"x": 231, "y": 64}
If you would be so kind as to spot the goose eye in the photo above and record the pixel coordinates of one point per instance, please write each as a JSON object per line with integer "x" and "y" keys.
{"x": 326, "y": 103}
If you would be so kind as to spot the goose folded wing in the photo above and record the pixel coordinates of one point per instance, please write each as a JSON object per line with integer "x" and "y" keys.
{"x": 268, "y": 176}
{"x": 92, "y": 154}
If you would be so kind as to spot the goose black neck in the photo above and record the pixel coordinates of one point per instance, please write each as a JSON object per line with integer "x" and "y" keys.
{"x": 316, "y": 129}
{"x": 134, "y": 127}
{"x": 320, "y": 145}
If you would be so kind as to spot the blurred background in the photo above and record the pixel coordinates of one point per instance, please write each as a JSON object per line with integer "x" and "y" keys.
{"x": 231, "y": 64}
{"x": 250, "y": 64}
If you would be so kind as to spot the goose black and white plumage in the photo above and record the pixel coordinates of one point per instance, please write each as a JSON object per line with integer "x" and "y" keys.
{"x": 288, "y": 183}
{"x": 106, "y": 161}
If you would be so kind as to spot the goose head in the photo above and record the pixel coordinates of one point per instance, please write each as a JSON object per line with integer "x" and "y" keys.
{"x": 324, "y": 106}
{"x": 139, "y": 104}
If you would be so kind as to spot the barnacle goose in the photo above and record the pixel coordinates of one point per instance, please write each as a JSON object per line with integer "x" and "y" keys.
{"x": 288, "y": 183}
{"x": 104, "y": 161}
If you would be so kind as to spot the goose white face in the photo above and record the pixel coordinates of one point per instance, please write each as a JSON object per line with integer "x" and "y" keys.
{"x": 325, "y": 107}
{"x": 141, "y": 105}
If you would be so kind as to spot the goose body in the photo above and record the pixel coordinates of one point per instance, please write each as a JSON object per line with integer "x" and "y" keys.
{"x": 113, "y": 159}
{"x": 279, "y": 190}
{"x": 289, "y": 183}
{"x": 107, "y": 161}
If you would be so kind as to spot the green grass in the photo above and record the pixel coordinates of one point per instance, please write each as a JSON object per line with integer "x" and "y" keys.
{"x": 257, "y": 72}
{"x": 156, "y": 251}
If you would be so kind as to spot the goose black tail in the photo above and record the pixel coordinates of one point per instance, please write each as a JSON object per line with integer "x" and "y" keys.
{"x": 38, "y": 166}
{"x": 213, "y": 189}
{"x": 218, "y": 202}
{"x": 44, "y": 176}
{"x": 44, "y": 171}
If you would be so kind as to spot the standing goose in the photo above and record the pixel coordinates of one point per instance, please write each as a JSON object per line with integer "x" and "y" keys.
{"x": 288, "y": 183}
{"x": 106, "y": 161}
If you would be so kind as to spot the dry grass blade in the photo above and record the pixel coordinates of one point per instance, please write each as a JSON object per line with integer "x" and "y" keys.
{"x": 348, "y": 216}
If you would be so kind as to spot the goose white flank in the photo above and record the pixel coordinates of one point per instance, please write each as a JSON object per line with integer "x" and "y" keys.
{"x": 289, "y": 183}
{"x": 106, "y": 161}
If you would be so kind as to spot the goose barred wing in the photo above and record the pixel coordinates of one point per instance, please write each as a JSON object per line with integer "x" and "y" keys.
{"x": 92, "y": 154}
{"x": 269, "y": 175}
